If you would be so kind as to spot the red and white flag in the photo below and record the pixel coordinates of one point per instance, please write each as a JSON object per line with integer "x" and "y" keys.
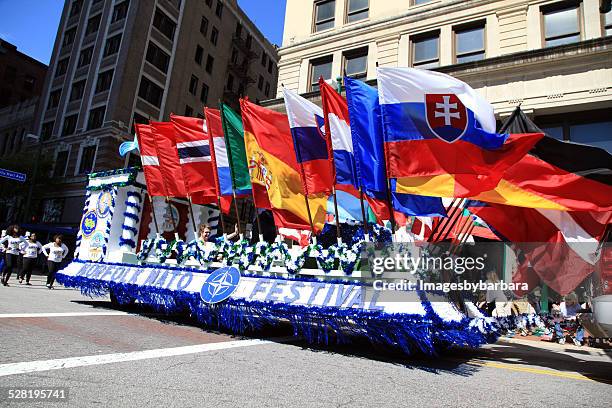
{"x": 169, "y": 164}
{"x": 150, "y": 161}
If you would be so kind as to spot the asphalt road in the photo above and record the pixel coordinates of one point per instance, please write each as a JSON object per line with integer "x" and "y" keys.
{"x": 108, "y": 358}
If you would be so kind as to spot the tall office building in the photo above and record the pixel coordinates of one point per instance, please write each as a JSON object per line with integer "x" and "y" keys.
{"x": 552, "y": 57}
{"x": 120, "y": 62}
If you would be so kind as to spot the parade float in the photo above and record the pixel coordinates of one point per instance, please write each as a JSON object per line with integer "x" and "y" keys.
{"x": 325, "y": 294}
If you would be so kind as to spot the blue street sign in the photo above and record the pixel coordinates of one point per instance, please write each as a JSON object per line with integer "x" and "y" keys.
{"x": 13, "y": 175}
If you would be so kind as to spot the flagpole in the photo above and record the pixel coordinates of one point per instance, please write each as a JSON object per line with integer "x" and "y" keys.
{"x": 195, "y": 229}
{"x": 221, "y": 215}
{"x": 237, "y": 214}
{"x": 443, "y": 224}
{"x": 437, "y": 226}
{"x": 153, "y": 212}
{"x": 336, "y": 213}
{"x": 466, "y": 235}
{"x": 172, "y": 217}
{"x": 366, "y": 229}
{"x": 455, "y": 221}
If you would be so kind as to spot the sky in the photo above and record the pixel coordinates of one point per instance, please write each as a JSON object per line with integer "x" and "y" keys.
{"x": 32, "y": 24}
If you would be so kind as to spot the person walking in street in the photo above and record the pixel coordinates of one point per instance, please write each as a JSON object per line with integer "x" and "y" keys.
{"x": 55, "y": 252}
{"x": 13, "y": 243}
{"x": 2, "y": 254}
{"x": 31, "y": 249}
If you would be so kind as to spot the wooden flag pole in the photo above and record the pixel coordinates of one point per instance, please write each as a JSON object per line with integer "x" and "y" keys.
{"x": 172, "y": 218}
{"x": 153, "y": 212}
{"x": 337, "y": 215}
{"x": 237, "y": 214}
{"x": 195, "y": 228}
{"x": 445, "y": 223}
{"x": 437, "y": 226}
{"x": 462, "y": 228}
{"x": 456, "y": 220}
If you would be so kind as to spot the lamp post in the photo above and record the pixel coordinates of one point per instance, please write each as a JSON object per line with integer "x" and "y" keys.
{"x": 34, "y": 173}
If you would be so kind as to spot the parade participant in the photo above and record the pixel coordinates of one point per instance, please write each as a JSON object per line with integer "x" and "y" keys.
{"x": 570, "y": 308}
{"x": 31, "y": 249}
{"x": 495, "y": 296}
{"x": 2, "y": 254}
{"x": 13, "y": 242}
{"x": 55, "y": 252}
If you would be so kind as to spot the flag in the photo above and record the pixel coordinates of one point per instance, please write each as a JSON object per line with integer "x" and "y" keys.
{"x": 440, "y": 135}
{"x": 273, "y": 166}
{"x": 367, "y": 141}
{"x": 193, "y": 148}
{"x": 236, "y": 153}
{"x": 169, "y": 164}
{"x": 150, "y": 161}
{"x": 310, "y": 143}
{"x": 338, "y": 131}
{"x": 555, "y": 175}
{"x": 221, "y": 169}
{"x": 560, "y": 247}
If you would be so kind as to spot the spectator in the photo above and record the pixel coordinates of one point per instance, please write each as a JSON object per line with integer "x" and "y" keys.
{"x": 55, "y": 252}
{"x": 31, "y": 249}
{"x": 13, "y": 241}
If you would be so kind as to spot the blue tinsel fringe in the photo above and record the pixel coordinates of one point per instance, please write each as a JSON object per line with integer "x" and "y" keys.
{"x": 427, "y": 334}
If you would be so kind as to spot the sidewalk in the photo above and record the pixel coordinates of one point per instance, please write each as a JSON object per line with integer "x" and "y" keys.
{"x": 535, "y": 341}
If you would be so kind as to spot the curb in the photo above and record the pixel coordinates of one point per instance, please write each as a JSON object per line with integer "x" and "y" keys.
{"x": 558, "y": 347}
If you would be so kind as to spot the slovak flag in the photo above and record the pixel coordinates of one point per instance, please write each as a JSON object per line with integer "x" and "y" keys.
{"x": 193, "y": 149}
{"x": 440, "y": 135}
{"x": 150, "y": 161}
{"x": 310, "y": 143}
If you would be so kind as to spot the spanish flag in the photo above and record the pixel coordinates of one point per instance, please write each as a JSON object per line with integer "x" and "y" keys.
{"x": 273, "y": 165}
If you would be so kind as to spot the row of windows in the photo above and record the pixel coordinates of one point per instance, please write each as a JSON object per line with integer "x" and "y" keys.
{"x": 95, "y": 121}
{"x": 93, "y": 23}
{"x": 86, "y": 163}
{"x": 356, "y": 10}
{"x": 110, "y": 48}
{"x": 103, "y": 83}
{"x": 11, "y": 143}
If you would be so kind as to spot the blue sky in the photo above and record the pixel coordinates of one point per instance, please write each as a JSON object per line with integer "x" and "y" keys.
{"x": 32, "y": 24}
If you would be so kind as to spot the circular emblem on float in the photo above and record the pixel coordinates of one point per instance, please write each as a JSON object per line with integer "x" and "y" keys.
{"x": 96, "y": 247}
{"x": 105, "y": 203}
{"x": 89, "y": 223}
{"x": 220, "y": 285}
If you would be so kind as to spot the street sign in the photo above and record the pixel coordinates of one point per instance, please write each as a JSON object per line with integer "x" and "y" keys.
{"x": 13, "y": 175}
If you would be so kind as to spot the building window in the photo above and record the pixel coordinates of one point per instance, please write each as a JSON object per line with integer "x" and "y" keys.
{"x": 586, "y": 127}
{"x": 112, "y": 45}
{"x": 234, "y": 57}
{"x": 214, "y": 36}
{"x": 86, "y": 163}
{"x": 210, "y": 60}
{"x": 75, "y": 10}
{"x": 120, "y": 11}
{"x": 209, "y": 3}
{"x": 104, "y": 81}
{"x": 199, "y": 54}
{"x": 417, "y": 2}
{"x": 260, "y": 82}
{"x": 158, "y": 58}
{"x": 267, "y": 92}
{"x": 204, "y": 26}
{"x": 150, "y": 92}
{"x": 164, "y": 24}
{"x": 188, "y": 110}
{"x": 264, "y": 59}
{"x": 204, "y": 94}
{"x": 54, "y": 99}
{"x": 96, "y": 118}
{"x": 219, "y": 9}
{"x": 28, "y": 83}
{"x": 470, "y": 43}
{"x": 47, "y": 130}
{"x": 249, "y": 41}
{"x": 425, "y": 51}
{"x": 78, "y": 88}
{"x": 238, "y": 31}
{"x": 320, "y": 68}
{"x": 229, "y": 85}
{"x": 324, "y": 15}
{"x": 70, "y": 123}
{"x": 69, "y": 37}
{"x": 193, "y": 85}
{"x": 85, "y": 57}
{"x": 607, "y": 22}
{"x": 357, "y": 10}
{"x": 62, "y": 67}
{"x": 138, "y": 118}
{"x": 561, "y": 24}
{"x": 93, "y": 24}
{"x": 356, "y": 63}
{"x": 61, "y": 162}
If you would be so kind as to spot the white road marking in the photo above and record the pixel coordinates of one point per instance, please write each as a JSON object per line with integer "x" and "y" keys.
{"x": 46, "y": 365}
{"x": 66, "y": 314}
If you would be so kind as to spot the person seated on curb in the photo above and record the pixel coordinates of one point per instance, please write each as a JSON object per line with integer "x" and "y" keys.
{"x": 570, "y": 307}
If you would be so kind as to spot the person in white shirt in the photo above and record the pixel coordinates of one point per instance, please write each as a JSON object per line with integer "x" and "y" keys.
{"x": 2, "y": 254}
{"x": 55, "y": 252}
{"x": 13, "y": 242}
{"x": 31, "y": 249}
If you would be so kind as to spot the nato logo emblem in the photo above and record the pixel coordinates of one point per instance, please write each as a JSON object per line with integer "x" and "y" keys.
{"x": 446, "y": 116}
{"x": 220, "y": 285}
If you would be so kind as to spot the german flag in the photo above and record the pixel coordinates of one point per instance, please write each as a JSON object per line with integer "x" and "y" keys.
{"x": 554, "y": 175}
